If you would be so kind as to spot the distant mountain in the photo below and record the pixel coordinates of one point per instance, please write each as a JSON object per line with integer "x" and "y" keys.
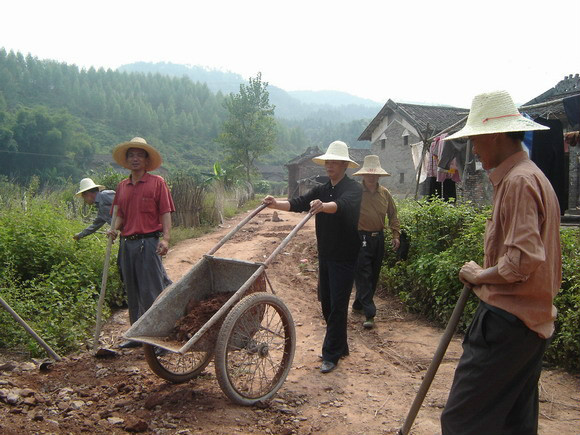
{"x": 216, "y": 80}
{"x": 324, "y": 105}
{"x": 333, "y": 98}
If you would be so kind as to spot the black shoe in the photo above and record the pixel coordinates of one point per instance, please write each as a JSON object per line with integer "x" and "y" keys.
{"x": 129, "y": 344}
{"x": 344, "y": 355}
{"x": 327, "y": 366}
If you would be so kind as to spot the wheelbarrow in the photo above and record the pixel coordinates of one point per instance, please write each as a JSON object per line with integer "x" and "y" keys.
{"x": 251, "y": 337}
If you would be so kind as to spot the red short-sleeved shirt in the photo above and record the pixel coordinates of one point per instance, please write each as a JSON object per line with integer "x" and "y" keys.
{"x": 141, "y": 205}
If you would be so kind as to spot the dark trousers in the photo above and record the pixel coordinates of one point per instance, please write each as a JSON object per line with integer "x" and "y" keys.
{"x": 334, "y": 288}
{"x": 144, "y": 276}
{"x": 495, "y": 388}
{"x": 368, "y": 269}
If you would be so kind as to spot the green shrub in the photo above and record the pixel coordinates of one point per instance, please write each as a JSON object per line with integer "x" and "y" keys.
{"x": 49, "y": 279}
{"x": 443, "y": 237}
{"x": 565, "y": 348}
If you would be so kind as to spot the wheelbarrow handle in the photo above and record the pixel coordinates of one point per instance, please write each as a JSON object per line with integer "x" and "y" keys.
{"x": 288, "y": 238}
{"x": 236, "y": 229}
{"x": 436, "y": 361}
{"x": 98, "y": 323}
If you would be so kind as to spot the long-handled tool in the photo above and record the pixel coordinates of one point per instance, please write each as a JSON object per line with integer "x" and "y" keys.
{"x": 104, "y": 287}
{"x": 34, "y": 335}
{"x": 437, "y": 358}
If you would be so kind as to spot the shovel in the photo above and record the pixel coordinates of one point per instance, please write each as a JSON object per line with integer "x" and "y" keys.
{"x": 437, "y": 358}
{"x": 31, "y": 331}
{"x": 102, "y": 352}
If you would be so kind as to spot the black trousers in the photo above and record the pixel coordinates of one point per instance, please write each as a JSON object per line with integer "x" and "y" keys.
{"x": 368, "y": 269}
{"x": 495, "y": 388}
{"x": 335, "y": 282}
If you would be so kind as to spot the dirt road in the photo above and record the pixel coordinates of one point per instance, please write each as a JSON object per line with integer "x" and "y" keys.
{"x": 370, "y": 392}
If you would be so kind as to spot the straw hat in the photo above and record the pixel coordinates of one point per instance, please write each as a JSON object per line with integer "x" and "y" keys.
{"x": 495, "y": 112}
{"x": 337, "y": 150}
{"x": 120, "y": 153}
{"x": 372, "y": 166}
{"x": 87, "y": 184}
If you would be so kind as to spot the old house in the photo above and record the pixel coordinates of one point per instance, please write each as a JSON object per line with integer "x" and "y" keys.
{"x": 398, "y": 126}
{"x": 303, "y": 173}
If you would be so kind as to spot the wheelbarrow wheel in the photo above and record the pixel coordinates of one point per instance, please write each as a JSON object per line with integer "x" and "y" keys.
{"x": 255, "y": 349}
{"x": 174, "y": 367}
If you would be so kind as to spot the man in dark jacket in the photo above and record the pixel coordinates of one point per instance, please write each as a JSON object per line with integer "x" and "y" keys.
{"x": 336, "y": 206}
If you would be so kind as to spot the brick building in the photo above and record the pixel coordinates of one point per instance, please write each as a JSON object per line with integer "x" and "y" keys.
{"x": 395, "y": 128}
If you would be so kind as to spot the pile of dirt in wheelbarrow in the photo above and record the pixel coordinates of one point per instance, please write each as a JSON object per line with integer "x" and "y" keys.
{"x": 198, "y": 313}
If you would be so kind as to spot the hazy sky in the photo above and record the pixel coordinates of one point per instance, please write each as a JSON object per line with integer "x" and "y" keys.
{"x": 416, "y": 51}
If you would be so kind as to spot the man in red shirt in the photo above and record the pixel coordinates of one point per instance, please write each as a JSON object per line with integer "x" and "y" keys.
{"x": 144, "y": 218}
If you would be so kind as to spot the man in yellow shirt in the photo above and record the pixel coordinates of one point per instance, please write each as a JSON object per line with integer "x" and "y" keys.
{"x": 377, "y": 203}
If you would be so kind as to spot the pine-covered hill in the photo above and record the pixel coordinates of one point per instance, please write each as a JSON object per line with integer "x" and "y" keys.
{"x": 55, "y": 118}
{"x": 331, "y": 106}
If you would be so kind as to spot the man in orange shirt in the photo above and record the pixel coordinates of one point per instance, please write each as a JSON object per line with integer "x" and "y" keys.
{"x": 495, "y": 388}
{"x": 144, "y": 218}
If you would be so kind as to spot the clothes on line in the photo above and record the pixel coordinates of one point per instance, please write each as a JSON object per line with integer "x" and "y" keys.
{"x": 548, "y": 154}
{"x": 572, "y": 108}
{"x": 417, "y": 153}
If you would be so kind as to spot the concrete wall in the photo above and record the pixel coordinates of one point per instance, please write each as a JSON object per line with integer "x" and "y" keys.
{"x": 396, "y": 157}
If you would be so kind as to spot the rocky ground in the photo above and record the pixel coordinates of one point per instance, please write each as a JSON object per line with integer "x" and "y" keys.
{"x": 370, "y": 392}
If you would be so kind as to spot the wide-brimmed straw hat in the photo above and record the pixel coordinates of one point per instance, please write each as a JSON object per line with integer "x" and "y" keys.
{"x": 87, "y": 184}
{"x": 337, "y": 150}
{"x": 120, "y": 153}
{"x": 372, "y": 166}
{"x": 495, "y": 112}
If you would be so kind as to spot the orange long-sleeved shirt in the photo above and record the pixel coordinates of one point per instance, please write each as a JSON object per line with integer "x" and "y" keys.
{"x": 523, "y": 239}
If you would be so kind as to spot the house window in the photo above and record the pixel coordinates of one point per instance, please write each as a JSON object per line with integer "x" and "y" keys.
{"x": 383, "y": 143}
{"x": 405, "y": 136}
{"x": 401, "y": 178}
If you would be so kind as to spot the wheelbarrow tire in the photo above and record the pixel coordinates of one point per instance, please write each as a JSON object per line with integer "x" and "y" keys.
{"x": 255, "y": 348}
{"x": 174, "y": 367}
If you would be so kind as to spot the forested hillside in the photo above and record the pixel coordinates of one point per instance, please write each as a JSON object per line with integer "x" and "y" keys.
{"x": 55, "y": 117}
{"x": 329, "y": 106}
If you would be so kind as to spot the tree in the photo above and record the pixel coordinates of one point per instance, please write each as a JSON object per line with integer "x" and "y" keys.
{"x": 250, "y": 130}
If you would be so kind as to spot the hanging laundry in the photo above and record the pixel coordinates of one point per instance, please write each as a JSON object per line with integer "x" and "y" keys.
{"x": 572, "y": 108}
{"x": 417, "y": 153}
{"x": 528, "y": 138}
{"x": 440, "y": 183}
{"x": 548, "y": 154}
{"x": 453, "y": 158}
{"x": 434, "y": 156}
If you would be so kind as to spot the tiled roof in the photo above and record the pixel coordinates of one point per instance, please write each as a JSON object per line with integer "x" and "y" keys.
{"x": 358, "y": 154}
{"x": 570, "y": 85}
{"x": 422, "y": 117}
{"x": 310, "y": 152}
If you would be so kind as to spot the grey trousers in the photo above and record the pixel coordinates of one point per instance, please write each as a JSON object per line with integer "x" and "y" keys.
{"x": 144, "y": 276}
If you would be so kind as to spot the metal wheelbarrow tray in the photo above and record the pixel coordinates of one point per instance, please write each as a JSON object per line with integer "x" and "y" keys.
{"x": 251, "y": 337}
